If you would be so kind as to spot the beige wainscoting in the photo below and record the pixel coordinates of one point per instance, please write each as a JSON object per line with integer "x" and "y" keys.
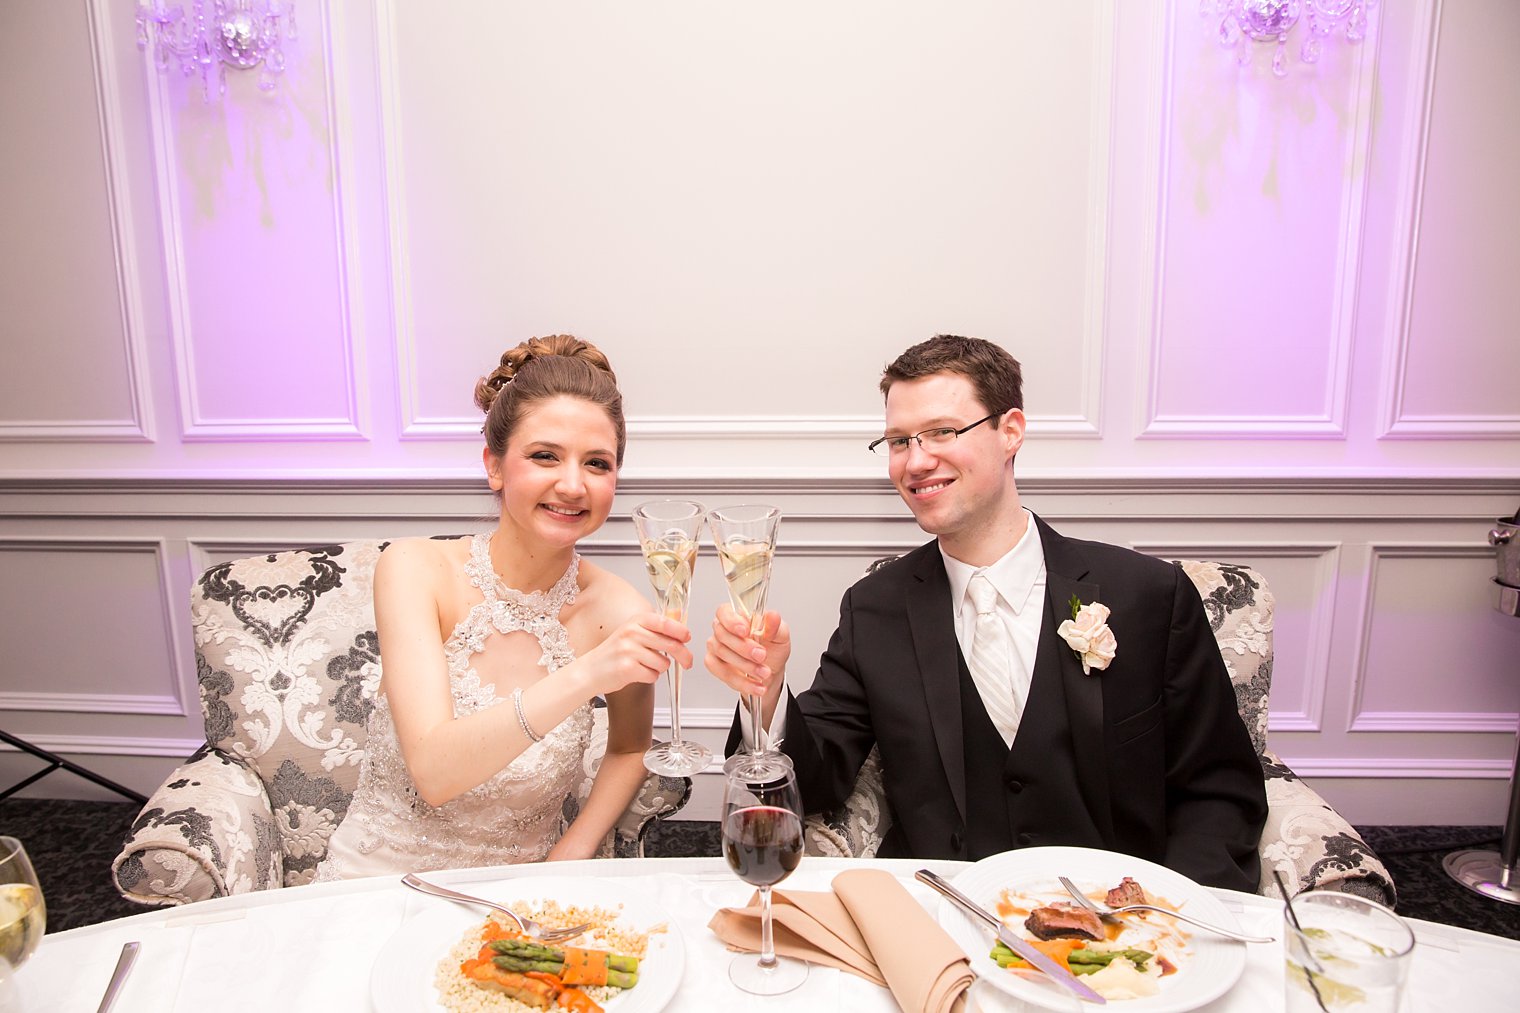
{"x": 1395, "y": 681}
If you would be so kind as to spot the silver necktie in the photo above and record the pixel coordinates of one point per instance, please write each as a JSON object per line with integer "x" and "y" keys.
{"x": 992, "y": 659}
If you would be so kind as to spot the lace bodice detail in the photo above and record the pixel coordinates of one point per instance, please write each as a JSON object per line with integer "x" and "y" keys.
{"x": 515, "y": 815}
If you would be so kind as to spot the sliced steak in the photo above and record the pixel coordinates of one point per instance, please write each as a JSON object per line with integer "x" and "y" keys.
{"x": 1127, "y": 892}
{"x": 1063, "y": 921}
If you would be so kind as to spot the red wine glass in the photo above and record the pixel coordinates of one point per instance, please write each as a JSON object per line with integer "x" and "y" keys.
{"x": 762, "y": 840}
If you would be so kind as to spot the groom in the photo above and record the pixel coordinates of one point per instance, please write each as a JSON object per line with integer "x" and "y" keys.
{"x": 1008, "y": 713}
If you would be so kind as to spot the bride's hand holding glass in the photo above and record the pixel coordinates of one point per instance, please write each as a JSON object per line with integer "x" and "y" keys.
{"x": 636, "y": 652}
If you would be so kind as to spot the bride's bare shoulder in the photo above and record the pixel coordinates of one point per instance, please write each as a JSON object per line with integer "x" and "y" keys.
{"x": 606, "y": 596}
{"x": 421, "y": 558}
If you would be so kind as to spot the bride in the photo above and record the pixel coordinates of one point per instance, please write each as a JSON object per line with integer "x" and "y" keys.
{"x": 493, "y": 647}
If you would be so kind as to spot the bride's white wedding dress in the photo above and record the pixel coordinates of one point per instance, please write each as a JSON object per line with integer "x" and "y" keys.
{"x": 514, "y": 816}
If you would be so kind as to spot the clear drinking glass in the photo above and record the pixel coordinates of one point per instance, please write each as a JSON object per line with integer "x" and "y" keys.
{"x": 23, "y": 914}
{"x": 746, "y": 541}
{"x": 762, "y": 840}
{"x": 668, "y": 533}
{"x": 1346, "y": 953}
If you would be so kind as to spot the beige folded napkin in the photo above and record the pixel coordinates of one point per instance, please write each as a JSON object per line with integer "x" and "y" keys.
{"x": 869, "y": 925}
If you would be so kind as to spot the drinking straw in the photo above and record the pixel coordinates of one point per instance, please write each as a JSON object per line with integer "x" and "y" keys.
{"x": 1308, "y": 953}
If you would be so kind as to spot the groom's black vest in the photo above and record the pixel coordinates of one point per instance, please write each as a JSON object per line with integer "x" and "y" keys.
{"x": 1034, "y": 782}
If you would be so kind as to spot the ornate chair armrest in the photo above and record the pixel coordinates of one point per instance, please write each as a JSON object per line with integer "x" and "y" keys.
{"x": 855, "y": 829}
{"x": 661, "y": 796}
{"x": 658, "y": 797}
{"x": 1312, "y": 845}
{"x": 208, "y": 831}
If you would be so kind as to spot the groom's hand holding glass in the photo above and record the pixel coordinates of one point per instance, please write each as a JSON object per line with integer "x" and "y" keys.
{"x": 750, "y": 665}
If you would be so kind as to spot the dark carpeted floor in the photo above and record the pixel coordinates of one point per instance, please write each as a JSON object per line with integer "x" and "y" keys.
{"x": 72, "y": 845}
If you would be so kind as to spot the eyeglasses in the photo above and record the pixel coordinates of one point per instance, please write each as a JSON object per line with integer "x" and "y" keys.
{"x": 930, "y": 439}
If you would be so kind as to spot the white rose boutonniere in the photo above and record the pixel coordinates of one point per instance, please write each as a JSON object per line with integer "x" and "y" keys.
{"x": 1087, "y": 633}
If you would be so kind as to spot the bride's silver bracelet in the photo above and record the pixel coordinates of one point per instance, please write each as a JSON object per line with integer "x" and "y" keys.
{"x": 522, "y": 719}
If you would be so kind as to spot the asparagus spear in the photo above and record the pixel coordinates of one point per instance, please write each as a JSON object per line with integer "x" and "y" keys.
{"x": 1081, "y": 961}
{"x": 538, "y": 951}
{"x": 617, "y": 979}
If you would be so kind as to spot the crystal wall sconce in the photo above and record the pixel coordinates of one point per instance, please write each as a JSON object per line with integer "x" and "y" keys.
{"x": 1244, "y": 23}
{"x": 217, "y": 34}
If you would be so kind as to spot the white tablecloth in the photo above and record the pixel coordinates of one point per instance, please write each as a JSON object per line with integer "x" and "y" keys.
{"x": 313, "y": 947}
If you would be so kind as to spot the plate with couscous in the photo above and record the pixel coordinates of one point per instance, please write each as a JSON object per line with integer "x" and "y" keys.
{"x": 453, "y": 958}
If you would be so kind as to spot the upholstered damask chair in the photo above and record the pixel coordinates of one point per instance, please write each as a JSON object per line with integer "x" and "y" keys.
{"x": 288, "y": 664}
{"x": 1304, "y": 838}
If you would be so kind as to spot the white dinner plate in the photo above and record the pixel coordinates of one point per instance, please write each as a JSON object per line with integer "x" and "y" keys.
{"x": 1213, "y": 963}
{"x": 402, "y": 978}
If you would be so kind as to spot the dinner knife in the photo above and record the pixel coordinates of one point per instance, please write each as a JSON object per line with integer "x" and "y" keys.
{"x": 1053, "y": 970}
{"x": 119, "y": 976}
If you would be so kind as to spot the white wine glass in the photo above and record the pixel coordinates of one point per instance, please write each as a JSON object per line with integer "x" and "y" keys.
{"x": 746, "y": 540}
{"x": 668, "y": 533}
{"x": 23, "y": 914}
{"x": 762, "y": 840}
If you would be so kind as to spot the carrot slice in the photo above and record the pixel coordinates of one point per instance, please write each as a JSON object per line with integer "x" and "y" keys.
{"x": 578, "y": 1001}
{"x": 585, "y": 967}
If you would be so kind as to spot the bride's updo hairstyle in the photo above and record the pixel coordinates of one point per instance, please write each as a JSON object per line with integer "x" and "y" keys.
{"x": 540, "y": 369}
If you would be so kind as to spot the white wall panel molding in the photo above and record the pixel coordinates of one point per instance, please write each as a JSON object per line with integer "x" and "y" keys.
{"x": 92, "y": 703}
{"x": 138, "y": 427}
{"x": 1329, "y": 423}
{"x": 697, "y": 717}
{"x": 109, "y": 745}
{"x": 198, "y": 423}
{"x": 1088, "y": 422}
{"x": 1398, "y": 767}
{"x": 1398, "y": 422}
{"x": 398, "y": 238}
{"x": 1114, "y": 500}
{"x": 1363, "y": 720}
{"x": 171, "y": 703}
{"x": 1496, "y": 722}
{"x": 1322, "y": 595}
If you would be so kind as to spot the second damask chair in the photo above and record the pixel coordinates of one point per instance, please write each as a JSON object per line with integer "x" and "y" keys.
{"x": 1305, "y": 839}
{"x": 288, "y": 662}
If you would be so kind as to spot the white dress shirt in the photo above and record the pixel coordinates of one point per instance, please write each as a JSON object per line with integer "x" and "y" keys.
{"x": 1019, "y": 577}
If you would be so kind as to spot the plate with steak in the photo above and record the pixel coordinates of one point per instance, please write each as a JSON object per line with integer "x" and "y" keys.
{"x": 1144, "y": 963}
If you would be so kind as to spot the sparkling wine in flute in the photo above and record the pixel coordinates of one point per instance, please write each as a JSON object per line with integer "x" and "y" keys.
{"x": 747, "y": 569}
{"x": 670, "y": 560}
{"x": 745, "y": 537}
{"x": 668, "y": 533}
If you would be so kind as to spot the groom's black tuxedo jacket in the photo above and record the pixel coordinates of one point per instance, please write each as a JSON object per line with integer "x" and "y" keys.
{"x": 1148, "y": 757}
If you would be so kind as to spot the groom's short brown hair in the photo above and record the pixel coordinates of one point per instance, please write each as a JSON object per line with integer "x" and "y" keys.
{"x": 994, "y": 374}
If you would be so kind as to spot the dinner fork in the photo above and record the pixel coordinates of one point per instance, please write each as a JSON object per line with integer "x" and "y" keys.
{"x": 527, "y": 926}
{"x": 1111, "y": 914}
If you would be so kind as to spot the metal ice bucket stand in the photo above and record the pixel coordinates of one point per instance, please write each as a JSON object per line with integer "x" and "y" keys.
{"x": 1496, "y": 874}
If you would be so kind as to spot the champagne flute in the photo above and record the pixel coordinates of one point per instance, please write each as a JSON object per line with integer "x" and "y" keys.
{"x": 668, "y": 532}
{"x": 762, "y": 840}
{"x": 746, "y": 541}
{"x": 23, "y": 914}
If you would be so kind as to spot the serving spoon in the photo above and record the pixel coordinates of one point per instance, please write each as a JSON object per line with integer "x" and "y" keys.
{"x": 1111, "y": 914}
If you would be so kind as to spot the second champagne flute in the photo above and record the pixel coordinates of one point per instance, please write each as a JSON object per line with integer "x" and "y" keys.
{"x": 668, "y": 532}
{"x": 746, "y": 541}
